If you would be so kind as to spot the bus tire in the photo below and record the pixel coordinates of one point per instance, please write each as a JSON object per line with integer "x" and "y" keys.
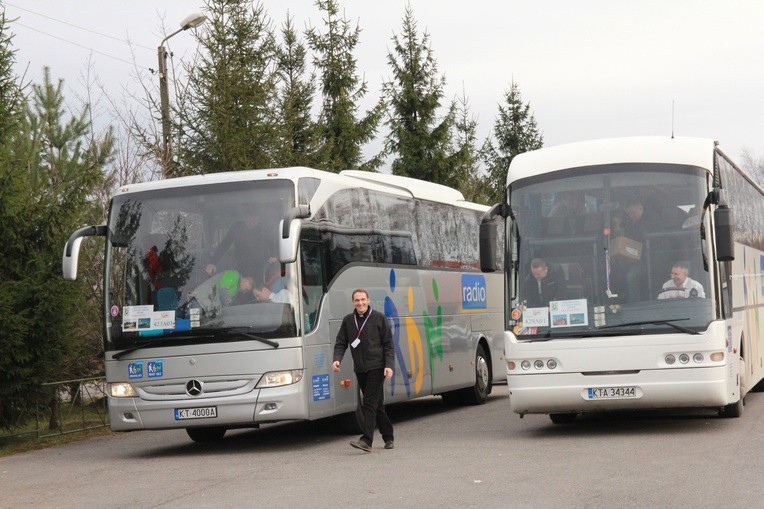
{"x": 563, "y": 418}
{"x": 202, "y": 435}
{"x": 478, "y": 393}
{"x": 733, "y": 410}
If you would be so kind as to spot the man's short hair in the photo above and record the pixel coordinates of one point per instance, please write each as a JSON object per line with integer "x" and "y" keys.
{"x": 681, "y": 265}
{"x": 359, "y": 290}
{"x": 538, "y": 263}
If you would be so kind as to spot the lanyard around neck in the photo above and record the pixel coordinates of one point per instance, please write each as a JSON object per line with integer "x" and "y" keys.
{"x": 355, "y": 317}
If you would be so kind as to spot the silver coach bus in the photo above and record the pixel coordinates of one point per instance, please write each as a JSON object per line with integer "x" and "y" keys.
{"x": 223, "y": 295}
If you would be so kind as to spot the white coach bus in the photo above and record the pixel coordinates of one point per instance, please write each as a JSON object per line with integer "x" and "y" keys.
{"x": 652, "y": 295}
{"x": 224, "y": 293}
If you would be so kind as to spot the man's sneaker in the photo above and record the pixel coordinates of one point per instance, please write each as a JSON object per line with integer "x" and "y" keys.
{"x": 389, "y": 444}
{"x": 360, "y": 444}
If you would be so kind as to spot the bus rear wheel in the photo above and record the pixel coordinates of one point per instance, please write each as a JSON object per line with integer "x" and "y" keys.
{"x": 202, "y": 435}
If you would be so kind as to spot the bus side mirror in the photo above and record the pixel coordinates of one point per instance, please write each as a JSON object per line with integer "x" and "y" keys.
{"x": 288, "y": 246}
{"x": 488, "y": 235}
{"x": 488, "y": 247}
{"x": 70, "y": 260}
{"x": 71, "y": 255}
{"x": 289, "y": 233}
{"x": 725, "y": 241}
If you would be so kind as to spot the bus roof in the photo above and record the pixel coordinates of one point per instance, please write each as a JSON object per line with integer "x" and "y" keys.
{"x": 417, "y": 188}
{"x": 639, "y": 149}
{"x": 346, "y": 179}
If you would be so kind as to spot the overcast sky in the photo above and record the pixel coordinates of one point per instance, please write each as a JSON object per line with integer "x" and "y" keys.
{"x": 589, "y": 68}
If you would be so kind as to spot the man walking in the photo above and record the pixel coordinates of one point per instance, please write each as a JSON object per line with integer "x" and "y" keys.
{"x": 371, "y": 345}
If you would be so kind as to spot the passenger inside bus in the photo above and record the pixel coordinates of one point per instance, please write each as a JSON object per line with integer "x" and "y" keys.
{"x": 248, "y": 238}
{"x": 633, "y": 222}
{"x": 265, "y": 294}
{"x": 543, "y": 284}
{"x": 570, "y": 204}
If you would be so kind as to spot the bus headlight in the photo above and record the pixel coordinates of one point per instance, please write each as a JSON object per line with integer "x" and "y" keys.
{"x": 121, "y": 390}
{"x": 684, "y": 358}
{"x": 526, "y": 365}
{"x": 670, "y": 359}
{"x": 279, "y": 378}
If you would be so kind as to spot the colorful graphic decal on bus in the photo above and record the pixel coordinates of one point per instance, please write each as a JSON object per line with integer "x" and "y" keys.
{"x": 391, "y": 312}
{"x": 433, "y": 333}
{"x": 474, "y": 292}
{"x": 135, "y": 370}
{"x": 154, "y": 368}
{"x": 416, "y": 354}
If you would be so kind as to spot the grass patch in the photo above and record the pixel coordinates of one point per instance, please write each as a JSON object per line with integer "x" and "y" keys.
{"x": 10, "y": 445}
{"x": 76, "y": 422}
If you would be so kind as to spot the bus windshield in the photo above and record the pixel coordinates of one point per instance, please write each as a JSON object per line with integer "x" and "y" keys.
{"x": 610, "y": 250}
{"x": 197, "y": 264}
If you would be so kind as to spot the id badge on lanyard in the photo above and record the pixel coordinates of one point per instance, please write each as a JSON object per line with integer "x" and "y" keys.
{"x": 357, "y": 340}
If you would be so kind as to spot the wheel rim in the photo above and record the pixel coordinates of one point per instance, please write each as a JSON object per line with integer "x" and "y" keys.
{"x": 482, "y": 373}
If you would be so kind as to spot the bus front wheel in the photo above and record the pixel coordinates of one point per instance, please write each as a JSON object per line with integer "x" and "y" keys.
{"x": 201, "y": 435}
{"x": 734, "y": 410}
{"x": 478, "y": 393}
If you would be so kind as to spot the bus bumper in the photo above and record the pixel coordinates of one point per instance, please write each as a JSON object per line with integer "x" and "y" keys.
{"x": 255, "y": 407}
{"x": 659, "y": 388}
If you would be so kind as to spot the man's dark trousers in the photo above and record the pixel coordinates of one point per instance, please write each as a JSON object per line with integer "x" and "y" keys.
{"x": 374, "y": 415}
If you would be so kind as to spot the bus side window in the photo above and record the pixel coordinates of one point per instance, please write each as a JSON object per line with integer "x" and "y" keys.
{"x": 312, "y": 282}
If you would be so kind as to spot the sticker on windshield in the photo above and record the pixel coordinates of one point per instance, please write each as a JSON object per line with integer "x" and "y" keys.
{"x": 137, "y": 318}
{"x": 144, "y": 318}
{"x": 569, "y": 313}
{"x": 536, "y": 317}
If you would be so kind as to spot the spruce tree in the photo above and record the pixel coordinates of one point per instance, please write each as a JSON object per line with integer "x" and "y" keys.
{"x": 298, "y": 135}
{"x": 342, "y": 134}
{"x": 59, "y": 163}
{"x": 15, "y": 368}
{"x": 227, "y": 120}
{"x": 514, "y": 131}
{"x": 465, "y": 157}
{"x": 423, "y": 143}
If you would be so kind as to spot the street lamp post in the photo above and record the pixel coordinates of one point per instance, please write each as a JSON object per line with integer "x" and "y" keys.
{"x": 192, "y": 21}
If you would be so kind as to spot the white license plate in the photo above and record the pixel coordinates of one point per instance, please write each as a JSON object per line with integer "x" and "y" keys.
{"x": 611, "y": 392}
{"x": 207, "y": 412}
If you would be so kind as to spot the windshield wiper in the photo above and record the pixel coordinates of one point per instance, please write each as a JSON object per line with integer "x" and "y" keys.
{"x": 670, "y": 323}
{"x": 244, "y": 331}
{"x": 154, "y": 342}
{"x": 547, "y": 336}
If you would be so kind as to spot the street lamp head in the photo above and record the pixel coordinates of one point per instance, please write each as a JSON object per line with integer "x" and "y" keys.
{"x": 193, "y": 21}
